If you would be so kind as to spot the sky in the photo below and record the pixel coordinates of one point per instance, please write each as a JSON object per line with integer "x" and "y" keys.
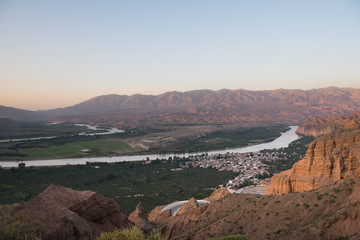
{"x": 59, "y": 53}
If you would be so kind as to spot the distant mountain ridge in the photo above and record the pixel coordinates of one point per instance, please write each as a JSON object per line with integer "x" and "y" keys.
{"x": 222, "y": 99}
{"x": 20, "y": 114}
{"x": 212, "y": 107}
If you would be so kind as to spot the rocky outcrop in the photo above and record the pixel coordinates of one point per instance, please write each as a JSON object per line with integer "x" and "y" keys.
{"x": 188, "y": 206}
{"x": 317, "y": 126}
{"x": 139, "y": 218}
{"x": 63, "y": 213}
{"x": 328, "y": 159}
{"x": 157, "y": 216}
{"x": 218, "y": 194}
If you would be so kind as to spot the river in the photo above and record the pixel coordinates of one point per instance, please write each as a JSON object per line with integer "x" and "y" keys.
{"x": 98, "y": 130}
{"x": 282, "y": 141}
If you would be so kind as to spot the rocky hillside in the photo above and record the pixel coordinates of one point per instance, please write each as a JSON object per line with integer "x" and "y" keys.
{"x": 317, "y": 126}
{"x": 205, "y": 106}
{"x": 329, "y": 158}
{"x": 330, "y": 212}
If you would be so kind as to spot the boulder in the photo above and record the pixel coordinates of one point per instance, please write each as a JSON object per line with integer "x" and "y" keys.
{"x": 139, "y": 218}
{"x": 63, "y": 213}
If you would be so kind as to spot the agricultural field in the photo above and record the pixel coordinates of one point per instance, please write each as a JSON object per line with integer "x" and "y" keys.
{"x": 136, "y": 142}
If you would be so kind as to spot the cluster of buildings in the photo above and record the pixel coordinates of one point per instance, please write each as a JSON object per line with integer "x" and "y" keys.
{"x": 250, "y": 166}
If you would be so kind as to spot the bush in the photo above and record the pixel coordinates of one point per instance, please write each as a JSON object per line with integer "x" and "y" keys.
{"x": 15, "y": 227}
{"x": 232, "y": 237}
{"x": 129, "y": 234}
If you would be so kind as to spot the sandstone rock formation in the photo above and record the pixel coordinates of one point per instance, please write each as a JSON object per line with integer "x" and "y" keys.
{"x": 328, "y": 159}
{"x": 157, "y": 216}
{"x": 218, "y": 194}
{"x": 139, "y": 218}
{"x": 63, "y": 213}
{"x": 317, "y": 126}
{"x": 188, "y": 206}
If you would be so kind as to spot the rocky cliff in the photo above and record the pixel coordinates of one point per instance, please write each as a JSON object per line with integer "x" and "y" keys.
{"x": 63, "y": 213}
{"x": 317, "y": 126}
{"x": 329, "y": 158}
{"x": 139, "y": 218}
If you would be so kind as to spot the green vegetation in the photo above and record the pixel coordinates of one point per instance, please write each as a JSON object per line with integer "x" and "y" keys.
{"x": 78, "y": 149}
{"x": 39, "y": 129}
{"x": 128, "y": 183}
{"x": 75, "y": 146}
{"x": 14, "y": 227}
{"x": 232, "y": 237}
{"x": 226, "y": 139}
{"x": 65, "y": 147}
{"x": 129, "y": 234}
{"x": 287, "y": 156}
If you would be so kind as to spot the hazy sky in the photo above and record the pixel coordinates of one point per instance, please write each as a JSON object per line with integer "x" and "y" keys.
{"x": 59, "y": 53}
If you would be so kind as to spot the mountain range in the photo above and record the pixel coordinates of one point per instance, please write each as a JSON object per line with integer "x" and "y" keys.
{"x": 243, "y": 107}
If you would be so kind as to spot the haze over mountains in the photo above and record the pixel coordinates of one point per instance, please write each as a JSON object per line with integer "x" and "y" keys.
{"x": 204, "y": 107}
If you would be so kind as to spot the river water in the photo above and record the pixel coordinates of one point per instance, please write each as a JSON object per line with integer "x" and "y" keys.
{"x": 103, "y": 131}
{"x": 282, "y": 141}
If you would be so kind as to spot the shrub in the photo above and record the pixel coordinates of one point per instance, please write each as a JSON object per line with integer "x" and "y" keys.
{"x": 15, "y": 227}
{"x": 129, "y": 234}
{"x": 232, "y": 237}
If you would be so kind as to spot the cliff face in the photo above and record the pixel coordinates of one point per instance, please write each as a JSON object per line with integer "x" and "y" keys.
{"x": 317, "y": 126}
{"x": 329, "y": 158}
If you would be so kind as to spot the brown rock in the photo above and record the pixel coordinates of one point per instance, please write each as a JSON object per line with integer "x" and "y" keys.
{"x": 218, "y": 194}
{"x": 328, "y": 159}
{"x": 188, "y": 206}
{"x": 157, "y": 216}
{"x": 317, "y": 126}
{"x": 329, "y": 212}
{"x": 138, "y": 217}
{"x": 64, "y": 213}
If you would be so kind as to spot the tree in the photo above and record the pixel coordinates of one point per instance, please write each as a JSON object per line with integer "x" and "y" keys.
{"x": 21, "y": 165}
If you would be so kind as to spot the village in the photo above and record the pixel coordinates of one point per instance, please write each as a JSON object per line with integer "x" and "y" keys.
{"x": 252, "y": 167}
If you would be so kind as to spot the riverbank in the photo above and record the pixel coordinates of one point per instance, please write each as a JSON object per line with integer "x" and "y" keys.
{"x": 282, "y": 141}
